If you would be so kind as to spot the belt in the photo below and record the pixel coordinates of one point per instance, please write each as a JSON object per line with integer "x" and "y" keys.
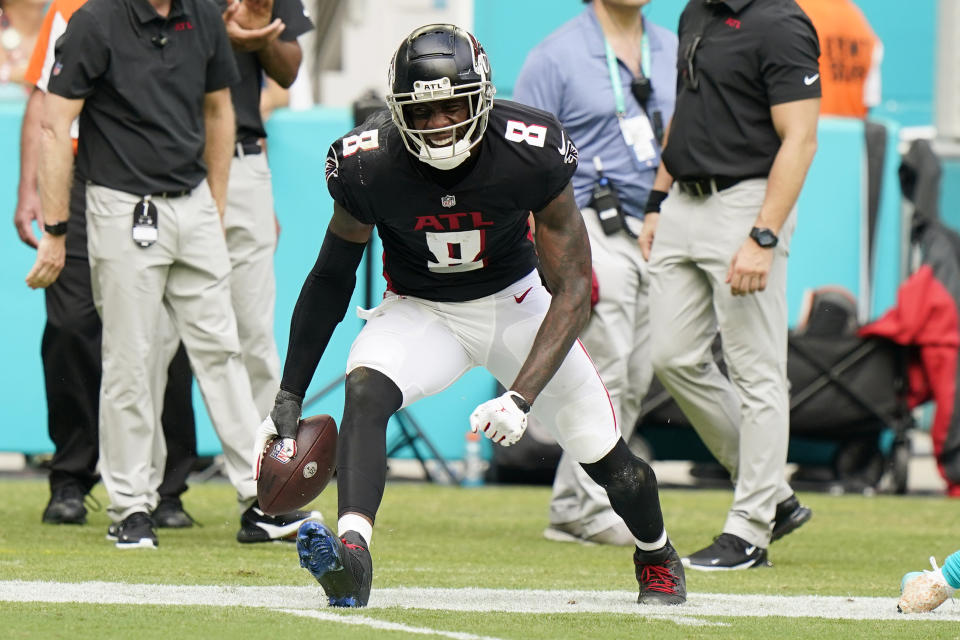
{"x": 247, "y": 149}
{"x": 701, "y": 187}
{"x": 171, "y": 194}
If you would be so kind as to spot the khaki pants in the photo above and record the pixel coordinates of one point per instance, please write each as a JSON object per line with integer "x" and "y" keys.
{"x": 744, "y": 420}
{"x": 617, "y": 337}
{"x": 185, "y": 273}
{"x": 251, "y": 242}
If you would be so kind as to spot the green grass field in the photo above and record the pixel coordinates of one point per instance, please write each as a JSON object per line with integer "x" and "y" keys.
{"x": 448, "y": 538}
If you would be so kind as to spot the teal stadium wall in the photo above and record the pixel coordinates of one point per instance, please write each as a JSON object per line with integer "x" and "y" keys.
{"x": 826, "y": 247}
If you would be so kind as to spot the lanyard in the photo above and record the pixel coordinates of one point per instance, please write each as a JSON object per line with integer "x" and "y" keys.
{"x": 614, "y": 70}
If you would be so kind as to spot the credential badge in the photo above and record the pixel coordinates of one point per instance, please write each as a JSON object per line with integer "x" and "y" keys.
{"x": 448, "y": 201}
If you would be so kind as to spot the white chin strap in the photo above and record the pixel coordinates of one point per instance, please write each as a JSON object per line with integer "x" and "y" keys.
{"x": 451, "y": 157}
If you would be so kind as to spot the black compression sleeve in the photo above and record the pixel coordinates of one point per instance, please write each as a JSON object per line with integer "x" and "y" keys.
{"x": 321, "y": 306}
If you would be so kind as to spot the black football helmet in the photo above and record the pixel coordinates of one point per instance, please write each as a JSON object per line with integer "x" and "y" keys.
{"x": 440, "y": 62}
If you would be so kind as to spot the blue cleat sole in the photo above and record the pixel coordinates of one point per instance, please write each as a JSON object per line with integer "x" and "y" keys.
{"x": 317, "y": 548}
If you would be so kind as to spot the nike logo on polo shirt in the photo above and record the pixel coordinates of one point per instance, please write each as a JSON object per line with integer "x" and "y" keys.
{"x": 809, "y": 80}
{"x": 519, "y": 298}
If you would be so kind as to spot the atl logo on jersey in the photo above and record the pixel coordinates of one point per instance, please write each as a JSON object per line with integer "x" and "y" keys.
{"x": 452, "y": 221}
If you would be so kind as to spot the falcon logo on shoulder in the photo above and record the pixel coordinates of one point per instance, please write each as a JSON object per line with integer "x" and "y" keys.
{"x": 332, "y": 166}
{"x": 567, "y": 149}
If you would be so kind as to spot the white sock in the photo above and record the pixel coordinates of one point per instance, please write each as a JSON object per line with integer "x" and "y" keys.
{"x": 659, "y": 543}
{"x": 353, "y": 522}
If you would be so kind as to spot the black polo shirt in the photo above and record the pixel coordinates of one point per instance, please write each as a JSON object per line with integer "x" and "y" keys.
{"x": 144, "y": 79}
{"x": 246, "y": 94}
{"x": 749, "y": 56}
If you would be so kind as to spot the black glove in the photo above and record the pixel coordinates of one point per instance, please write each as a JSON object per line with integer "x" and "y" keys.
{"x": 286, "y": 413}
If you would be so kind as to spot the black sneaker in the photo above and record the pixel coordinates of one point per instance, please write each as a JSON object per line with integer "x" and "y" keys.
{"x": 256, "y": 526}
{"x": 661, "y": 577}
{"x": 135, "y": 532}
{"x": 342, "y": 566}
{"x": 790, "y": 515}
{"x": 66, "y": 506}
{"x": 728, "y": 552}
{"x": 170, "y": 514}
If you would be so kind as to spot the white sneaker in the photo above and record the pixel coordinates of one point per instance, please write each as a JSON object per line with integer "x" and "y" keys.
{"x": 923, "y": 592}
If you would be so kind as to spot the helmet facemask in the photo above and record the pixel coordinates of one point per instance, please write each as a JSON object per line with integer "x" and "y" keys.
{"x": 435, "y": 87}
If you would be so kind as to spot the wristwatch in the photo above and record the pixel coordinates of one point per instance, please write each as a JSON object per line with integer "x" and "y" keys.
{"x": 764, "y": 237}
{"x": 58, "y": 229}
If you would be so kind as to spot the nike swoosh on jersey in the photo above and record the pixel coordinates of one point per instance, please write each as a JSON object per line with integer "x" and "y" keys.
{"x": 563, "y": 143}
{"x": 809, "y": 80}
{"x": 519, "y": 298}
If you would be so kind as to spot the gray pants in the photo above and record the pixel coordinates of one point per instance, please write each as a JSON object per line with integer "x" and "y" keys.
{"x": 185, "y": 273}
{"x": 617, "y": 337}
{"x": 251, "y": 242}
{"x": 744, "y": 421}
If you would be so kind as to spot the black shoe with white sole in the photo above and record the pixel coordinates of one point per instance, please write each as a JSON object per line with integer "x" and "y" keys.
{"x": 257, "y": 526}
{"x": 135, "y": 532}
{"x": 727, "y": 553}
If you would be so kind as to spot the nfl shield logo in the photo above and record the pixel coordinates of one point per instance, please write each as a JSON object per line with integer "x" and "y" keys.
{"x": 277, "y": 452}
{"x": 448, "y": 201}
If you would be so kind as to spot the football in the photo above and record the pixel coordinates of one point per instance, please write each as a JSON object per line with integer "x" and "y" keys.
{"x": 286, "y": 484}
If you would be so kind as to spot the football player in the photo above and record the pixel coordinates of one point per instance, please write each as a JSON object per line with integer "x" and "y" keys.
{"x": 448, "y": 178}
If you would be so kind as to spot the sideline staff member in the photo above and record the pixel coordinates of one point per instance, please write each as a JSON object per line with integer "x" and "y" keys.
{"x": 71, "y": 338}
{"x": 149, "y": 81}
{"x": 264, "y": 40}
{"x": 741, "y": 140}
{"x": 609, "y": 75}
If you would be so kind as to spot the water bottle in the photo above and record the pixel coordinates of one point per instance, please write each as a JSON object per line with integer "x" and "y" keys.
{"x": 472, "y": 461}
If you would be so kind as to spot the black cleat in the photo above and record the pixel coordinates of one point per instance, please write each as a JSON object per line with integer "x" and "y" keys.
{"x": 727, "y": 553}
{"x": 661, "y": 577}
{"x": 135, "y": 532}
{"x": 789, "y": 517}
{"x": 66, "y": 506}
{"x": 342, "y": 566}
{"x": 170, "y": 514}
{"x": 257, "y": 526}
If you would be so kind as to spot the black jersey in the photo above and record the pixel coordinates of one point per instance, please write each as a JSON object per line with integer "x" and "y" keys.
{"x": 462, "y": 242}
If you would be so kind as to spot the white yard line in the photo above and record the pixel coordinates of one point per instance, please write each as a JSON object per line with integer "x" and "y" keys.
{"x": 700, "y": 608}
{"x": 362, "y": 621}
